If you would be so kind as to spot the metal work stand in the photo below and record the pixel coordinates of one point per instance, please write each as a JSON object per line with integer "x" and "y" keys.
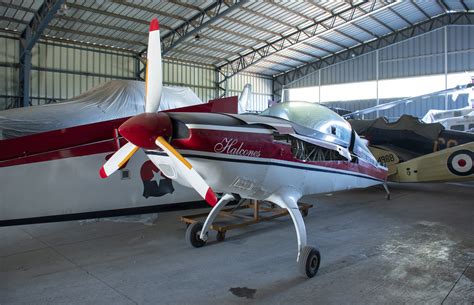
{"x": 247, "y": 212}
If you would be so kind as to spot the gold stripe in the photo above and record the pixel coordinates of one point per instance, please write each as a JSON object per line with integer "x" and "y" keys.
{"x": 130, "y": 154}
{"x": 174, "y": 152}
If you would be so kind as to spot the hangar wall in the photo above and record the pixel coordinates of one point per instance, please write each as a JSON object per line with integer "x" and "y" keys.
{"x": 61, "y": 71}
{"x": 439, "y": 54}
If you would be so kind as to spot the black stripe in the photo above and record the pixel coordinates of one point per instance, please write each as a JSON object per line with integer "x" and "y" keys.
{"x": 108, "y": 213}
{"x": 150, "y": 152}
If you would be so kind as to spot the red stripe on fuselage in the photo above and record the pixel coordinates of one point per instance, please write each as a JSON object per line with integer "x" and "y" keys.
{"x": 257, "y": 145}
{"x": 58, "y": 144}
{"x": 83, "y": 140}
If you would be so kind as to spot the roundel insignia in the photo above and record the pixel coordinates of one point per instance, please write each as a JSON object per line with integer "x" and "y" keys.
{"x": 460, "y": 162}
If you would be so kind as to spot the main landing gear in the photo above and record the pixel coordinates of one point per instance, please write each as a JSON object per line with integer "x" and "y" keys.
{"x": 308, "y": 257}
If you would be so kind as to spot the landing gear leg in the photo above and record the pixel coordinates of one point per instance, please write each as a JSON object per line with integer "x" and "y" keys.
{"x": 308, "y": 257}
{"x": 385, "y": 186}
{"x": 213, "y": 214}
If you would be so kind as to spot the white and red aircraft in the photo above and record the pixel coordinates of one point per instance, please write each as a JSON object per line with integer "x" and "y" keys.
{"x": 53, "y": 151}
{"x": 290, "y": 150}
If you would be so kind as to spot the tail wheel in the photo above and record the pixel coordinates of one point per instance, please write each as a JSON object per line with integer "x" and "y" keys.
{"x": 192, "y": 235}
{"x": 309, "y": 261}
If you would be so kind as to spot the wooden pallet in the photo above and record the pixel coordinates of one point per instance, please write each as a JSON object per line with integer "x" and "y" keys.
{"x": 247, "y": 212}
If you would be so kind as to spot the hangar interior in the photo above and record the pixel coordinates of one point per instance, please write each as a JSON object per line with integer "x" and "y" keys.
{"x": 217, "y": 47}
{"x": 353, "y": 54}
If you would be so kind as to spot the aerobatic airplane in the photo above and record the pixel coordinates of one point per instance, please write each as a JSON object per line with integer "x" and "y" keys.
{"x": 290, "y": 150}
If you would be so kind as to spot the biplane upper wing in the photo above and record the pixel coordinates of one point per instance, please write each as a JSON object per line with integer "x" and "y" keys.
{"x": 451, "y": 164}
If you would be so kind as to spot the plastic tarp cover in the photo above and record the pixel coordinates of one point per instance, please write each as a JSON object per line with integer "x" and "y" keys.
{"x": 112, "y": 100}
{"x": 405, "y": 122}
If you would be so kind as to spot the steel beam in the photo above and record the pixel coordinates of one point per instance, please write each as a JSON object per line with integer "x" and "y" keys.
{"x": 194, "y": 24}
{"x": 299, "y": 36}
{"x": 384, "y": 41}
{"x": 28, "y": 39}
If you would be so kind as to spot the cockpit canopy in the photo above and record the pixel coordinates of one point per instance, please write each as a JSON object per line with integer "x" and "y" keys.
{"x": 314, "y": 116}
{"x": 321, "y": 118}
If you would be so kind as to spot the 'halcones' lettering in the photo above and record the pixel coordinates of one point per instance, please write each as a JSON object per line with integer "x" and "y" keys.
{"x": 233, "y": 147}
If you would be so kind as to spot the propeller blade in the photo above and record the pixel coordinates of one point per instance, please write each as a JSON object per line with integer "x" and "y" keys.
{"x": 189, "y": 173}
{"x": 118, "y": 159}
{"x": 154, "y": 71}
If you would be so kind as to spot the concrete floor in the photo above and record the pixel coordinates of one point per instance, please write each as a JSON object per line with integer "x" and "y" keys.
{"x": 417, "y": 248}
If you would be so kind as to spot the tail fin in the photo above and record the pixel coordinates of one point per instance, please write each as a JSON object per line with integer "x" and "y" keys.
{"x": 154, "y": 71}
{"x": 244, "y": 98}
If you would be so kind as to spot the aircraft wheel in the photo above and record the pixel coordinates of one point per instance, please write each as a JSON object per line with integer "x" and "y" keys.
{"x": 309, "y": 261}
{"x": 220, "y": 236}
{"x": 192, "y": 235}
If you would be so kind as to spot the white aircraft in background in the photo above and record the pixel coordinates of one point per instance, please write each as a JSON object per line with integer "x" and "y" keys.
{"x": 290, "y": 150}
{"x": 461, "y": 119}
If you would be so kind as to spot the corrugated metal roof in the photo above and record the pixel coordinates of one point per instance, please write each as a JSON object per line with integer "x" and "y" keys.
{"x": 332, "y": 26}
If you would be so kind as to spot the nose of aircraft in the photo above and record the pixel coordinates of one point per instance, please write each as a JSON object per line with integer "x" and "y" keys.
{"x": 143, "y": 129}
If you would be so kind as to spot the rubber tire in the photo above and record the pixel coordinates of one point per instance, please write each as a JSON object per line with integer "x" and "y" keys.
{"x": 220, "y": 236}
{"x": 192, "y": 235}
{"x": 309, "y": 261}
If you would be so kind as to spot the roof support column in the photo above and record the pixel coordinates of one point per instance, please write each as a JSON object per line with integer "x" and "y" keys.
{"x": 28, "y": 39}
{"x": 446, "y": 66}
{"x": 221, "y": 83}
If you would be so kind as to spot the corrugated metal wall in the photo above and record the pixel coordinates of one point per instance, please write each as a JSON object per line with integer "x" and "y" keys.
{"x": 261, "y": 89}
{"x": 61, "y": 71}
{"x": 419, "y": 56}
{"x": 422, "y": 55}
{"x": 200, "y": 78}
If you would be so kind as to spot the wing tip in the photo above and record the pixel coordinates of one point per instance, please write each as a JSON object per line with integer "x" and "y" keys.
{"x": 102, "y": 173}
{"x": 211, "y": 197}
{"x": 154, "y": 25}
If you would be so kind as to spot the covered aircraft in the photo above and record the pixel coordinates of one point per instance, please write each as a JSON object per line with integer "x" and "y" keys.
{"x": 290, "y": 150}
{"x": 112, "y": 100}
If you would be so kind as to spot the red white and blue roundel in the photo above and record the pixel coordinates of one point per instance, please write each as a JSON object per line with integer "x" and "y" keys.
{"x": 460, "y": 162}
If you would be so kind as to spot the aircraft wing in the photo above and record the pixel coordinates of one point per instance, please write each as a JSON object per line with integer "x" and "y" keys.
{"x": 451, "y": 164}
{"x": 408, "y": 100}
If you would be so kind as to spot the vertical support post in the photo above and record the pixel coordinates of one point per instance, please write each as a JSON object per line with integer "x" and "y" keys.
{"x": 219, "y": 83}
{"x": 137, "y": 68}
{"x": 24, "y": 77}
{"x": 445, "y": 66}
{"x": 216, "y": 82}
{"x": 377, "y": 80}
{"x": 28, "y": 39}
{"x": 319, "y": 86}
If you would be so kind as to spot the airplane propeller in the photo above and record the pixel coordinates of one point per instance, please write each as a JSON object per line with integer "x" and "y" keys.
{"x": 118, "y": 159}
{"x": 189, "y": 173}
{"x": 149, "y": 130}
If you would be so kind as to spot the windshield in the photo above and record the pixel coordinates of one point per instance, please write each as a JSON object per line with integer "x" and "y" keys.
{"x": 314, "y": 116}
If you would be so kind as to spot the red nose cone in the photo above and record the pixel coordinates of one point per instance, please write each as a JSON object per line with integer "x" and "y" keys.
{"x": 143, "y": 129}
